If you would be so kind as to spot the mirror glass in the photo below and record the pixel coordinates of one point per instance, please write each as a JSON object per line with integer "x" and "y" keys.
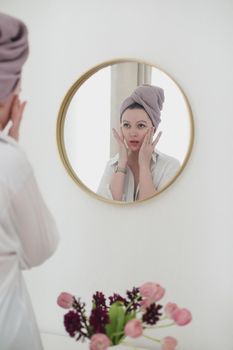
{"x": 91, "y": 109}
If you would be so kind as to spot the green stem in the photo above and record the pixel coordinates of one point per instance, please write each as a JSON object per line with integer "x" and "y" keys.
{"x": 161, "y": 326}
{"x": 151, "y": 338}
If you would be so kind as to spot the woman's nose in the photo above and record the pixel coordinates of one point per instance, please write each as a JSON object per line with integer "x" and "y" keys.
{"x": 133, "y": 132}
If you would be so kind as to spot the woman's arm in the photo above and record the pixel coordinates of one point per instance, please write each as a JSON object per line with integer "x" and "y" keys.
{"x": 110, "y": 186}
{"x": 31, "y": 222}
{"x": 118, "y": 181}
{"x": 118, "y": 177}
{"x": 146, "y": 185}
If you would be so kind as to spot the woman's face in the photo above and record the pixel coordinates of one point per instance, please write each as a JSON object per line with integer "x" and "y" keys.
{"x": 135, "y": 124}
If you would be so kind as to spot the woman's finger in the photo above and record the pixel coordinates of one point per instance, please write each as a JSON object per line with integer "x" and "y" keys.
{"x": 115, "y": 133}
{"x": 151, "y": 135}
{"x": 17, "y": 110}
{"x": 121, "y": 134}
{"x": 157, "y": 139}
{"x": 145, "y": 140}
{"x": 23, "y": 104}
{"x": 20, "y": 112}
{"x": 116, "y": 136}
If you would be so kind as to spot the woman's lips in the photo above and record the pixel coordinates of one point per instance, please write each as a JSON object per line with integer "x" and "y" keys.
{"x": 133, "y": 142}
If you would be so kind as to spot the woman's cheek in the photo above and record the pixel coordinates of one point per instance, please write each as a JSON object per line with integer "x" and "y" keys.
{"x": 124, "y": 134}
{"x": 143, "y": 136}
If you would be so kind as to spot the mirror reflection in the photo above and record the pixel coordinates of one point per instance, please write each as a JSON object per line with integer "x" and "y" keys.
{"x": 125, "y": 131}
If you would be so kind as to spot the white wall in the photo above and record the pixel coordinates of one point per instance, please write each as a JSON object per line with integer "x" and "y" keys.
{"x": 181, "y": 238}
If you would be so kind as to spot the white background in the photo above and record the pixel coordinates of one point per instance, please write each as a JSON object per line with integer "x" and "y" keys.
{"x": 182, "y": 238}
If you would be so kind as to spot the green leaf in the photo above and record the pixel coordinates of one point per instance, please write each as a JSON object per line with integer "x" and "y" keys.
{"x": 130, "y": 316}
{"x": 117, "y": 322}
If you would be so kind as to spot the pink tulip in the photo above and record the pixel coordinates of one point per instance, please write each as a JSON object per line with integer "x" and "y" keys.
{"x": 169, "y": 343}
{"x": 65, "y": 300}
{"x": 99, "y": 341}
{"x": 133, "y": 328}
{"x": 151, "y": 292}
{"x": 145, "y": 303}
{"x": 182, "y": 317}
{"x": 170, "y": 308}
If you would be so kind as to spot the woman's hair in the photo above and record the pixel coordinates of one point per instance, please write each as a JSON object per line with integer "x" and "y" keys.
{"x": 134, "y": 105}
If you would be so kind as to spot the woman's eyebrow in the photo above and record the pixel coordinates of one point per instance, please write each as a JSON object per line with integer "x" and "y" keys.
{"x": 142, "y": 121}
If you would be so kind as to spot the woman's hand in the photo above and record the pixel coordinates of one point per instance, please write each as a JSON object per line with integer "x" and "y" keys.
{"x": 122, "y": 149}
{"x": 16, "y": 117}
{"x": 147, "y": 148}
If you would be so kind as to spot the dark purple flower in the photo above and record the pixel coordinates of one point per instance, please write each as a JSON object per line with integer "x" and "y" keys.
{"x": 116, "y": 297}
{"x": 72, "y": 323}
{"x": 79, "y": 307}
{"x": 152, "y": 314}
{"x": 134, "y": 299}
{"x": 98, "y": 319}
{"x": 99, "y": 299}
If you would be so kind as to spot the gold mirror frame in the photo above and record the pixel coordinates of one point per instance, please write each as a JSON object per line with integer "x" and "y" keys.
{"x": 61, "y": 121}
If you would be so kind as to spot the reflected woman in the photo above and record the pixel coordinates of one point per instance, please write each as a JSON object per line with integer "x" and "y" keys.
{"x": 138, "y": 170}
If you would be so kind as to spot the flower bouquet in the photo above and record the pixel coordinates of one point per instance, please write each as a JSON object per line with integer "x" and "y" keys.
{"x": 109, "y": 323}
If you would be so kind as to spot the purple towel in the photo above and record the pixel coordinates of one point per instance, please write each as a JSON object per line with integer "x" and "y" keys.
{"x": 13, "y": 53}
{"x": 150, "y": 97}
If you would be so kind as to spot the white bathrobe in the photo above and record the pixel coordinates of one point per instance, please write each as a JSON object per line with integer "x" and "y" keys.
{"x": 163, "y": 169}
{"x": 28, "y": 236}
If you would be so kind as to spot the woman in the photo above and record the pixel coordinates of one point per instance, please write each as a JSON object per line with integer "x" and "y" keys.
{"x": 138, "y": 171}
{"x": 28, "y": 234}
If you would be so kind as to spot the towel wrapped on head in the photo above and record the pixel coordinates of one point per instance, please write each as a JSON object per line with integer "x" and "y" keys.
{"x": 13, "y": 53}
{"x": 150, "y": 97}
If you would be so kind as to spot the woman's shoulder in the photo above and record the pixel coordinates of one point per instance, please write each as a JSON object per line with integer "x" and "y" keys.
{"x": 166, "y": 159}
{"x": 114, "y": 160}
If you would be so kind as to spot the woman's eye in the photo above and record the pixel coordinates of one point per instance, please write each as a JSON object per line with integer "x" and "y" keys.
{"x": 141, "y": 126}
{"x": 126, "y": 125}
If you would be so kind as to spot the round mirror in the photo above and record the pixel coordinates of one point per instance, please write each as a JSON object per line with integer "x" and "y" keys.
{"x": 125, "y": 131}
